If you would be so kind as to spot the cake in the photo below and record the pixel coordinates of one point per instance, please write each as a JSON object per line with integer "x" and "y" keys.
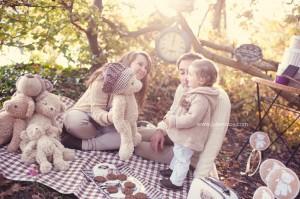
{"x": 129, "y": 185}
{"x": 100, "y": 179}
{"x": 122, "y": 177}
{"x": 111, "y": 176}
{"x": 140, "y": 195}
{"x": 112, "y": 189}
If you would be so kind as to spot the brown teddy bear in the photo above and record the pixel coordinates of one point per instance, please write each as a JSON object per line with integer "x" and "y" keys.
{"x": 20, "y": 108}
{"x": 33, "y": 85}
{"x": 122, "y": 83}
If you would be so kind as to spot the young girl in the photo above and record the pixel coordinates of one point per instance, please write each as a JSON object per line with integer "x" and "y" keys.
{"x": 88, "y": 124}
{"x": 188, "y": 125}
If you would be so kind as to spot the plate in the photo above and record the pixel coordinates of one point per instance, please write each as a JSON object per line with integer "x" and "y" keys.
{"x": 139, "y": 187}
{"x": 102, "y": 169}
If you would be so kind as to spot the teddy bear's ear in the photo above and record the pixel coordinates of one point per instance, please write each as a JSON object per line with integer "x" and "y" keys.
{"x": 30, "y": 109}
{"x": 48, "y": 85}
{"x": 18, "y": 81}
{"x": 5, "y": 104}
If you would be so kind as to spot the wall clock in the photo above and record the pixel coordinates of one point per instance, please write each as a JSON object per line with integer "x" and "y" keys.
{"x": 171, "y": 44}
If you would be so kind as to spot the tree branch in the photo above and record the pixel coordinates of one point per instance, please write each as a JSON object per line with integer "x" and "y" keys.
{"x": 209, "y": 44}
{"x": 263, "y": 64}
{"x": 15, "y": 4}
{"x": 292, "y": 98}
{"x": 69, "y": 7}
{"x": 98, "y": 4}
{"x": 21, "y": 45}
{"x": 77, "y": 25}
{"x": 150, "y": 28}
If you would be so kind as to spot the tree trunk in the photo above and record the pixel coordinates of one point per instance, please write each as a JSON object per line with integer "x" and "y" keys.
{"x": 218, "y": 8}
{"x": 91, "y": 32}
{"x": 98, "y": 57}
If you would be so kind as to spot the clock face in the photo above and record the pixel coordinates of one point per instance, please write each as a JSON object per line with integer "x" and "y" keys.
{"x": 171, "y": 45}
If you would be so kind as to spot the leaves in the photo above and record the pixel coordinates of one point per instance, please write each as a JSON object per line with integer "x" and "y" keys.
{"x": 67, "y": 81}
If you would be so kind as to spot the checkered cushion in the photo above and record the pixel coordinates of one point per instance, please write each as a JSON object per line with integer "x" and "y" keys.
{"x": 74, "y": 181}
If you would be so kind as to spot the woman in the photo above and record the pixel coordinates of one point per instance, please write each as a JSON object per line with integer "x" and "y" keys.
{"x": 88, "y": 124}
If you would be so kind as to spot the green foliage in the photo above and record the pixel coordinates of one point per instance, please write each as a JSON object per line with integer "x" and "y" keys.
{"x": 66, "y": 81}
{"x": 46, "y": 26}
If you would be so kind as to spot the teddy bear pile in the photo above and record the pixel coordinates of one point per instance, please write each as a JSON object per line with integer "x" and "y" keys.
{"x": 27, "y": 122}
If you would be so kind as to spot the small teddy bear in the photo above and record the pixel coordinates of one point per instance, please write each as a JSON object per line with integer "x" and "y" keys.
{"x": 20, "y": 108}
{"x": 43, "y": 148}
{"x": 122, "y": 83}
{"x": 30, "y": 137}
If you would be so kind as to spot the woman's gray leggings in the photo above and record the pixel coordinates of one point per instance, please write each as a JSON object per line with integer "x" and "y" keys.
{"x": 94, "y": 136}
{"x": 98, "y": 138}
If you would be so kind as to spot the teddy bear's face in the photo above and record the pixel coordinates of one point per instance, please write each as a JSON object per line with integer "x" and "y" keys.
{"x": 134, "y": 85}
{"x": 49, "y": 105}
{"x": 34, "y": 132}
{"x": 17, "y": 107}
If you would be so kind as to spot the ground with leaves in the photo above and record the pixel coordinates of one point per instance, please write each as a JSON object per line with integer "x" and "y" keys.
{"x": 229, "y": 170}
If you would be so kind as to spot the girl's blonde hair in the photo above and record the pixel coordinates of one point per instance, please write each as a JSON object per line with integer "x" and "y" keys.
{"x": 126, "y": 60}
{"x": 207, "y": 70}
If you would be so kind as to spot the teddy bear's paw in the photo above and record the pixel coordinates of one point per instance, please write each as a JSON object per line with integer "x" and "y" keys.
{"x": 69, "y": 154}
{"x": 61, "y": 165}
{"x": 12, "y": 148}
{"x": 137, "y": 139}
{"x": 45, "y": 167}
{"x": 28, "y": 159}
{"x": 126, "y": 152}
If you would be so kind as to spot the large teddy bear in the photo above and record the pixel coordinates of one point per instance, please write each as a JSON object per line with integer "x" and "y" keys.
{"x": 16, "y": 111}
{"x": 40, "y": 141}
{"x": 122, "y": 83}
